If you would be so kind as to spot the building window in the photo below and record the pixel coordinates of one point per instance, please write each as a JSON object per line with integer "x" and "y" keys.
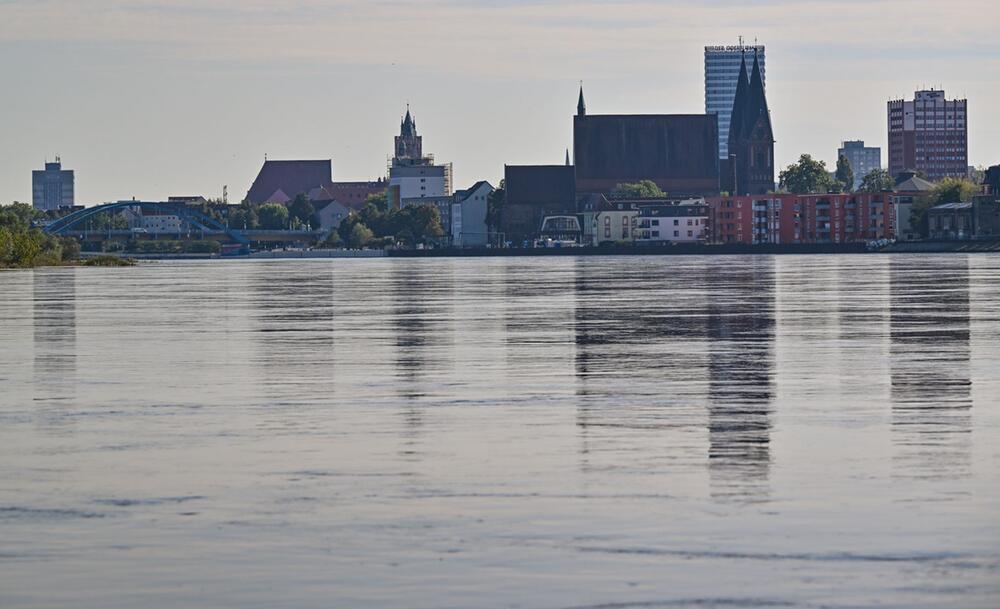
{"x": 677, "y": 233}
{"x": 676, "y": 222}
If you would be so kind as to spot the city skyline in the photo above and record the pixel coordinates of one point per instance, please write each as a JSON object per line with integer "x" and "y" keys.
{"x": 139, "y": 106}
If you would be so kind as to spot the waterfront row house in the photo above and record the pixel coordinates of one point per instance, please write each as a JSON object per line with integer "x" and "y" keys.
{"x": 684, "y": 222}
{"x": 645, "y": 221}
{"x": 797, "y": 218}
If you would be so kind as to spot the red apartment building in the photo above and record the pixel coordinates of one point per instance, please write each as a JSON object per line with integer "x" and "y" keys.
{"x": 792, "y": 218}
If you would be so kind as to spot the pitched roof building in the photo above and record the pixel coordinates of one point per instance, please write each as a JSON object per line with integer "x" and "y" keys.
{"x": 909, "y": 181}
{"x": 679, "y": 152}
{"x": 282, "y": 181}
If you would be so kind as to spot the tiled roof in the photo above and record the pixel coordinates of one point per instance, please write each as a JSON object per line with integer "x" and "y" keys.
{"x": 909, "y": 181}
{"x": 291, "y": 177}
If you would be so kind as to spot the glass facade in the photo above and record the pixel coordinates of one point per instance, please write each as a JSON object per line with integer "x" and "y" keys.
{"x": 722, "y": 68}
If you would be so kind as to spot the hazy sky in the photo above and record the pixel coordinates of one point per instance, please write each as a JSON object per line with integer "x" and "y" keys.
{"x": 151, "y": 98}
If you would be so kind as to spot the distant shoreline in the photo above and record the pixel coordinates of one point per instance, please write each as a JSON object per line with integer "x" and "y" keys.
{"x": 736, "y": 249}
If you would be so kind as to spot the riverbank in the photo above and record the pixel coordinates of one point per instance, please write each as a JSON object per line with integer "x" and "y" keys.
{"x": 942, "y": 247}
{"x": 735, "y": 249}
{"x": 693, "y": 249}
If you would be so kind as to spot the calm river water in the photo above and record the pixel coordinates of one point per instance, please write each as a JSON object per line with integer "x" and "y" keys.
{"x": 551, "y": 433}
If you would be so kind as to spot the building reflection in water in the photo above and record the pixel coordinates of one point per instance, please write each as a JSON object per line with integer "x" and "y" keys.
{"x": 538, "y": 321}
{"x": 741, "y": 334}
{"x": 294, "y": 323}
{"x": 54, "y": 311}
{"x": 640, "y": 361}
{"x": 661, "y": 344}
{"x": 930, "y": 368}
{"x": 412, "y": 327}
{"x": 419, "y": 320}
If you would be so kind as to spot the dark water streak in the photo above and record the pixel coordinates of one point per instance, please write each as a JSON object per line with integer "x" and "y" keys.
{"x": 809, "y": 431}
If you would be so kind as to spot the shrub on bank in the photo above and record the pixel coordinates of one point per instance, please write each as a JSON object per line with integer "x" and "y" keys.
{"x": 28, "y": 248}
{"x": 106, "y": 260}
{"x": 164, "y": 246}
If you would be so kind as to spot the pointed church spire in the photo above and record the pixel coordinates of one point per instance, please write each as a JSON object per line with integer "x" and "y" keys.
{"x": 757, "y": 104}
{"x": 751, "y": 140}
{"x": 581, "y": 106}
{"x": 408, "y": 127}
{"x": 739, "y": 102}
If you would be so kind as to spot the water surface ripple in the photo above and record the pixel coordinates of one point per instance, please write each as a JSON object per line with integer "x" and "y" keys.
{"x": 792, "y": 431}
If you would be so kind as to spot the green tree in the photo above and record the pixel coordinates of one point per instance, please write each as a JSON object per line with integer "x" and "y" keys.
{"x": 332, "y": 240}
{"x": 412, "y": 224}
{"x": 18, "y": 216}
{"x": 845, "y": 173}
{"x": 954, "y": 190}
{"x": 380, "y": 200}
{"x": 70, "y": 248}
{"x": 243, "y": 217}
{"x": 877, "y": 180}
{"x": 25, "y": 248}
{"x": 22, "y": 245}
{"x": 206, "y": 246}
{"x": 273, "y": 216}
{"x": 645, "y": 189}
{"x": 302, "y": 210}
{"x": 806, "y": 176}
{"x": 360, "y": 236}
{"x": 424, "y": 221}
{"x": 6, "y": 246}
{"x": 375, "y": 219}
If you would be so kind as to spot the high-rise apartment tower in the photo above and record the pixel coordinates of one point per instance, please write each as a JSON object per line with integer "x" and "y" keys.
{"x": 929, "y": 134}
{"x": 722, "y": 71}
{"x": 863, "y": 159}
{"x": 52, "y": 187}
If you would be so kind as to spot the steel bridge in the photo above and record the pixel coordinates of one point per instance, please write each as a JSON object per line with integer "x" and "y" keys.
{"x": 66, "y": 225}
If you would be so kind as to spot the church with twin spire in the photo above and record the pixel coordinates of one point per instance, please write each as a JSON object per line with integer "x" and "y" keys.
{"x": 750, "y": 168}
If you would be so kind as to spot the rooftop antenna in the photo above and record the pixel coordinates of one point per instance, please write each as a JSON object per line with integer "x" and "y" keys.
{"x": 741, "y": 40}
